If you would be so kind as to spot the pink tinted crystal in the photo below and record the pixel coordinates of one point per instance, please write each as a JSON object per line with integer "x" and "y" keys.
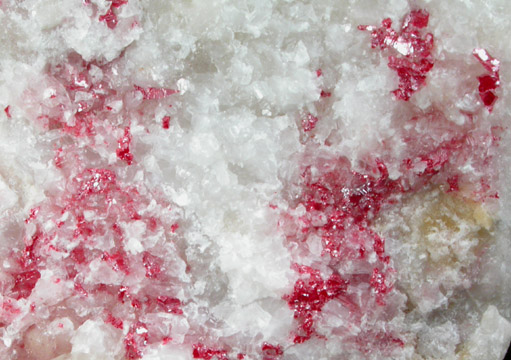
{"x": 7, "y": 111}
{"x": 309, "y": 122}
{"x": 151, "y": 93}
{"x": 24, "y": 283}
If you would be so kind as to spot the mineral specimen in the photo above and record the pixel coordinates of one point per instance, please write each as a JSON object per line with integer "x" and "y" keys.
{"x": 254, "y": 179}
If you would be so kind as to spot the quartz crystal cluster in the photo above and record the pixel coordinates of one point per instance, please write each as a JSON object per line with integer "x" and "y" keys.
{"x": 255, "y": 179}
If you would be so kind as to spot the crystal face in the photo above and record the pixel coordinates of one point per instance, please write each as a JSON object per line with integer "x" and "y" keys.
{"x": 273, "y": 180}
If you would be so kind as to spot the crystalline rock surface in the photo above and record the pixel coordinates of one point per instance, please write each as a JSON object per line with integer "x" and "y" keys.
{"x": 255, "y": 179}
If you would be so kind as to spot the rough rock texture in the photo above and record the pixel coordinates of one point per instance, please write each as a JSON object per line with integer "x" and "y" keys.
{"x": 255, "y": 179}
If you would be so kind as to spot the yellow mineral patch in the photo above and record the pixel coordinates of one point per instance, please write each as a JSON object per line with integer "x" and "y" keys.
{"x": 482, "y": 218}
{"x": 434, "y": 239}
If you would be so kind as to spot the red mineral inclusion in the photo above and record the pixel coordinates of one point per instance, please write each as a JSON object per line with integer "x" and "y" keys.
{"x": 323, "y": 94}
{"x": 110, "y": 17}
{"x": 309, "y": 122}
{"x": 170, "y": 305}
{"x": 378, "y": 283}
{"x": 201, "y": 351}
{"x": 490, "y": 82}
{"x": 32, "y": 215}
{"x": 24, "y": 283}
{"x": 151, "y": 93}
{"x": 115, "y": 322}
{"x": 309, "y": 296}
{"x": 271, "y": 352}
{"x": 347, "y": 202}
{"x": 98, "y": 191}
{"x": 136, "y": 339}
{"x": 410, "y": 50}
{"x": 165, "y": 123}
{"x": 7, "y": 111}
{"x": 341, "y": 205}
{"x": 81, "y": 227}
{"x": 123, "y": 148}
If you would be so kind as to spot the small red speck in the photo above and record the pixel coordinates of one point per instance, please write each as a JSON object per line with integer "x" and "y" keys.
{"x": 362, "y": 252}
{"x": 379, "y": 247}
{"x": 123, "y": 292}
{"x": 174, "y": 228}
{"x": 166, "y": 340}
{"x": 57, "y": 281}
{"x": 453, "y": 183}
{"x": 169, "y": 305}
{"x": 118, "y": 3}
{"x": 488, "y": 83}
{"x": 152, "y": 265}
{"x": 416, "y": 18}
{"x": 271, "y": 352}
{"x": 32, "y": 215}
{"x": 115, "y": 322}
{"x": 240, "y": 356}
{"x": 117, "y": 261}
{"x": 398, "y": 342}
{"x": 58, "y": 158}
{"x": 32, "y": 307}
{"x": 136, "y": 304}
{"x": 165, "y": 123}
{"x": 80, "y": 290}
{"x": 123, "y": 148}
{"x": 202, "y": 352}
{"x": 379, "y": 286}
{"x": 7, "y": 111}
{"x": 110, "y": 17}
{"x": 325, "y": 94}
{"x": 30, "y": 254}
{"x": 489, "y": 99}
{"x": 319, "y": 72}
{"x": 61, "y": 326}
{"x": 151, "y": 93}
{"x": 309, "y": 122}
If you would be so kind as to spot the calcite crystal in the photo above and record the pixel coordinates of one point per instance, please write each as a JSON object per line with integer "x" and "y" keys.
{"x": 274, "y": 180}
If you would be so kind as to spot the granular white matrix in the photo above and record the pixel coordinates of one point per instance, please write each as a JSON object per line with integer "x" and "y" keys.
{"x": 270, "y": 179}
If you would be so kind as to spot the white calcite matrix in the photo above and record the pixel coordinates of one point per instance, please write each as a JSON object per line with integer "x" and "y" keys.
{"x": 255, "y": 179}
